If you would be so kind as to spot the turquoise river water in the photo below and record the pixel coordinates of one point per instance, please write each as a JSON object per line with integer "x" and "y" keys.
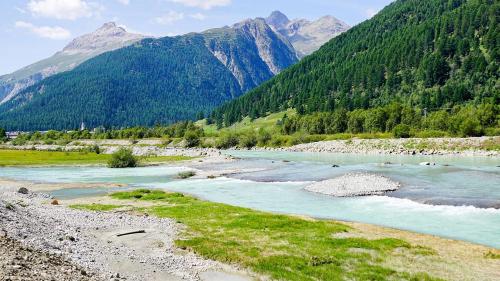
{"x": 457, "y": 198}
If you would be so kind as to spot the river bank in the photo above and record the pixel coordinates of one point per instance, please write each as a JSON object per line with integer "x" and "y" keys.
{"x": 474, "y": 146}
{"x": 480, "y": 146}
{"x": 90, "y": 241}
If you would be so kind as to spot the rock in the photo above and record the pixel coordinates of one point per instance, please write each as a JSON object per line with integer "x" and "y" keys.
{"x": 335, "y": 166}
{"x": 54, "y": 202}
{"x": 23, "y": 190}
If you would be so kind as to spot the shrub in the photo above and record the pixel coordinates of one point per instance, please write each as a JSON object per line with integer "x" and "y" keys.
{"x": 471, "y": 128}
{"x": 123, "y": 158}
{"x": 227, "y": 141}
{"x": 401, "y": 131}
{"x": 248, "y": 141}
{"x": 492, "y": 132}
{"x": 263, "y": 137}
{"x": 192, "y": 139}
{"x": 186, "y": 175}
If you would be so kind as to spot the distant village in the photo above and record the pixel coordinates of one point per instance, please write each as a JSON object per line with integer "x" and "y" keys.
{"x": 14, "y": 134}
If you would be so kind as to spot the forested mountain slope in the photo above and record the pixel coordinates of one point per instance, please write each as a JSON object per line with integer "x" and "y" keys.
{"x": 155, "y": 81}
{"x": 425, "y": 55}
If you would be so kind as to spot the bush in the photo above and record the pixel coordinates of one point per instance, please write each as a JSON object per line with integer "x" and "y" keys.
{"x": 492, "y": 132}
{"x": 471, "y": 128}
{"x": 401, "y": 131}
{"x": 123, "y": 158}
{"x": 248, "y": 141}
{"x": 263, "y": 137}
{"x": 192, "y": 139}
{"x": 227, "y": 141}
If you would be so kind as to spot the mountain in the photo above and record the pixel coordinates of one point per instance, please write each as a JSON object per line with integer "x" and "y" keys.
{"x": 108, "y": 37}
{"x": 251, "y": 50}
{"x": 306, "y": 36}
{"x": 153, "y": 81}
{"x": 424, "y": 54}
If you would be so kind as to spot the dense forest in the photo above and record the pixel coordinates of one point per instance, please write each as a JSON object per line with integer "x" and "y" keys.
{"x": 427, "y": 58}
{"x": 154, "y": 81}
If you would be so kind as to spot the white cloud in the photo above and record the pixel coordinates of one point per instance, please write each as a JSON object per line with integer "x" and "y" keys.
{"x": 169, "y": 18}
{"x": 124, "y": 2}
{"x": 203, "y": 4}
{"x": 63, "y": 9}
{"x": 198, "y": 16}
{"x": 55, "y": 32}
{"x": 370, "y": 12}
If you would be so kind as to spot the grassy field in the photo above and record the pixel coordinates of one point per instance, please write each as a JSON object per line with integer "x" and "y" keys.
{"x": 278, "y": 246}
{"x": 35, "y": 158}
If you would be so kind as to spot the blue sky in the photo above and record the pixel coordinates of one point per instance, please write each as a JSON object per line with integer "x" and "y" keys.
{"x": 35, "y": 29}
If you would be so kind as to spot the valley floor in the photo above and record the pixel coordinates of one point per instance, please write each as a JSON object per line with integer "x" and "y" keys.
{"x": 187, "y": 239}
{"x": 478, "y": 146}
{"x": 190, "y": 239}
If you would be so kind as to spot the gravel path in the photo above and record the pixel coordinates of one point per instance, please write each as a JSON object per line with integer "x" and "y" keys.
{"x": 88, "y": 239}
{"x": 357, "y": 184}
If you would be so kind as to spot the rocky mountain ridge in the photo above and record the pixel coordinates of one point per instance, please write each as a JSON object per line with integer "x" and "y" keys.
{"x": 306, "y": 36}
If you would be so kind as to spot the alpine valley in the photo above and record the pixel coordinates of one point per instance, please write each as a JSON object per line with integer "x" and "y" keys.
{"x": 114, "y": 78}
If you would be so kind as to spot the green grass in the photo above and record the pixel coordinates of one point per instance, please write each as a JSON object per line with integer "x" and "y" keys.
{"x": 35, "y": 158}
{"x": 491, "y": 255}
{"x": 279, "y": 246}
{"x": 142, "y": 194}
{"x": 246, "y": 125}
{"x": 95, "y": 207}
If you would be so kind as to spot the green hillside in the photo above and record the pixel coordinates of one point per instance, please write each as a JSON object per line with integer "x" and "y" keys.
{"x": 415, "y": 59}
{"x": 154, "y": 81}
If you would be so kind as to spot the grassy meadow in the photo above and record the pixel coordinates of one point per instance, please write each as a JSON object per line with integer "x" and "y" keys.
{"x": 282, "y": 247}
{"x": 47, "y": 158}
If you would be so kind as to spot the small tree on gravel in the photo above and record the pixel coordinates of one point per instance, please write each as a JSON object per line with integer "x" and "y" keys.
{"x": 123, "y": 158}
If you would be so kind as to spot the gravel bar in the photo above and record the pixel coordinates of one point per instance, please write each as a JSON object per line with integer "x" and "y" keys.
{"x": 89, "y": 241}
{"x": 356, "y": 184}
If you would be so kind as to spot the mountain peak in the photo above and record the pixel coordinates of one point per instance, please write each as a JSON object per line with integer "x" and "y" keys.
{"x": 105, "y": 37}
{"x": 277, "y": 19}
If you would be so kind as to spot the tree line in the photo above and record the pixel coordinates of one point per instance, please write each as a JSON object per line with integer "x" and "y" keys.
{"x": 424, "y": 54}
